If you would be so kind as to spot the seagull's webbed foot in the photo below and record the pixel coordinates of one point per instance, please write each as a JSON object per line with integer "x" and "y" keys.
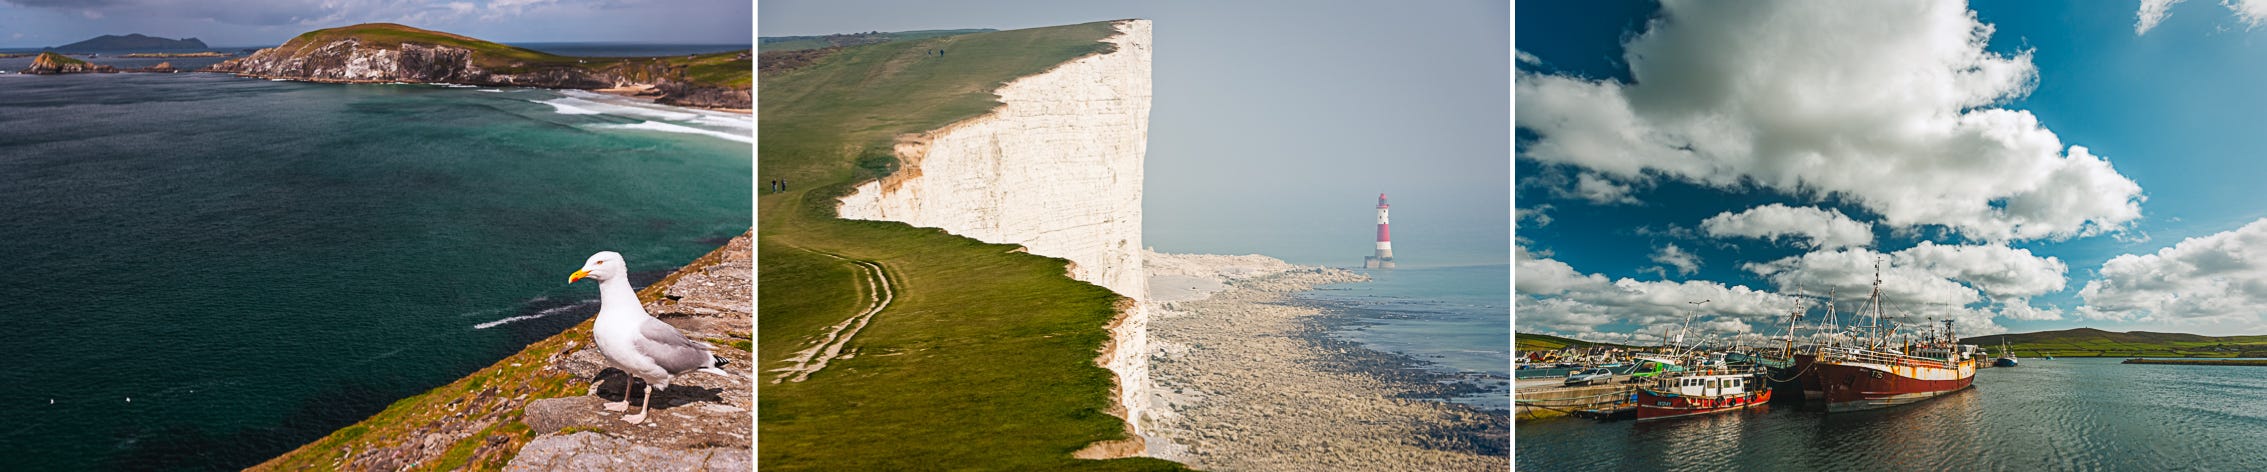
{"x": 623, "y": 405}
{"x": 635, "y": 419}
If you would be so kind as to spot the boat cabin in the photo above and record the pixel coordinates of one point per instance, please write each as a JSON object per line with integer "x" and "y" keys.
{"x": 1704, "y": 385}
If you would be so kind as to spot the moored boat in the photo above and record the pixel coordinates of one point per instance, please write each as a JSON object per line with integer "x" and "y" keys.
{"x": 1688, "y": 395}
{"x": 1860, "y": 379}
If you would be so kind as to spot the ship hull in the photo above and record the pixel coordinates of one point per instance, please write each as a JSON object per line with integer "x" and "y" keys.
{"x": 1798, "y": 382}
{"x": 1658, "y": 406}
{"x": 1863, "y": 386}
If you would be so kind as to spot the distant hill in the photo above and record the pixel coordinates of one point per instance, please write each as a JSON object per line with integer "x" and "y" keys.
{"x": 798, "y": 43}
{"x": 387, "y": 52}
{"x": 2090, "y": 342}
{"x": 131, "y": 42}
{"x": 1545, "y": 342}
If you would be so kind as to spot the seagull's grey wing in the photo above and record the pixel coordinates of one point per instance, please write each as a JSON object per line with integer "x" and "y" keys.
{"x": 670, "y": 349}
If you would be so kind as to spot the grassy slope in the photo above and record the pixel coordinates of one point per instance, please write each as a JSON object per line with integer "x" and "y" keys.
{"x": 404, "y": 421}
{"x": 986, "y": 358}
{"x": 59, "y": 59}
{"x": 2089, "y": 342}
{"x": 798, "y": 43}
{"x": 1544, "y": 342}
{"x": 722, "y": 69}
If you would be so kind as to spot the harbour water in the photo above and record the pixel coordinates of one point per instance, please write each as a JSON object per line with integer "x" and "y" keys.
{"x": 2062, "y": 414}
{"x": 205, "y": 271}
{"x": 1452, "y": 319}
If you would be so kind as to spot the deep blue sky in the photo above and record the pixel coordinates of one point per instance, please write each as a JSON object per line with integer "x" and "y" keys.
{"x": 2176, "y": 110}
{"x": 1275, "y": 124}
{"x": 44, "y": 23}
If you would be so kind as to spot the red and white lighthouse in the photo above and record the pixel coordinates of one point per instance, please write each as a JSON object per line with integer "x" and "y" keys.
{"x": 1384, "y": 257}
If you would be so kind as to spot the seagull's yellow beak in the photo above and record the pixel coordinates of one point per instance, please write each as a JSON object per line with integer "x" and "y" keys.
{"x": 578, "y": 275}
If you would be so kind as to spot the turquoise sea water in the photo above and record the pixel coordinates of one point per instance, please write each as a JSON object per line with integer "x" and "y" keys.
{"x": 1456, "y": 319}
{"x": 257, "y": 263}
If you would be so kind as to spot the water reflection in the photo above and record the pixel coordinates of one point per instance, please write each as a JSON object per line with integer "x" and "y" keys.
{"x": 2066, "y": 414}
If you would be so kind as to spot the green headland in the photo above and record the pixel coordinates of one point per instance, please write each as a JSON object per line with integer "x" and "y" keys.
{"x": 986, "y": 356}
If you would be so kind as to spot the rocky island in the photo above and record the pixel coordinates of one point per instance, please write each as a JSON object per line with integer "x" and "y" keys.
{"x": 52, "y": 63}
{"x": 385, "y": 52}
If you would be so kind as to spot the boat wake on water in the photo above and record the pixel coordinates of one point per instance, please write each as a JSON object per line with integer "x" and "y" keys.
{"x": 539, "y": 314}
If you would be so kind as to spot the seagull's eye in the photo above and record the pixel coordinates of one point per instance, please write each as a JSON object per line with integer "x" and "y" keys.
{"x": 599, "y": 263}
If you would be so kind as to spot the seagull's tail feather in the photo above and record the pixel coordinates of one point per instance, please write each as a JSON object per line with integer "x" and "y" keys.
{"x": 720, "y": 362}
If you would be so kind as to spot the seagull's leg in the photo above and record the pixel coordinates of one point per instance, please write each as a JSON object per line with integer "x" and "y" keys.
{"x": 640, "y": 417}
{"x": 623, "y": 405}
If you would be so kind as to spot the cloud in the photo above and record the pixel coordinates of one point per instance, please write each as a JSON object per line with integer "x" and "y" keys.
{"x": 1891, "y": 106}
{"x": 1601, "y": 191}
{"x": 2219, "y": 278}
{"x": 1553, "y": 297}
{"x": 2252, "y": 13}
{"x": 1817, "y": 228}
{"x": 1528, "y": 59}
{"x": 2151, "y": 13}
{"x": 1677, "y": 258}
{"x": 1540, "y": 214}
{"x": 1968, "y": 283}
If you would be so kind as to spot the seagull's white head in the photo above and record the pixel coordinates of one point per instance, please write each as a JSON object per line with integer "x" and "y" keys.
{"x": 603, "y": 266}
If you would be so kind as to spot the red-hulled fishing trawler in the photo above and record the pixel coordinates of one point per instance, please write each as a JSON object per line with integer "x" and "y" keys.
{"x": 1876, "y": 373}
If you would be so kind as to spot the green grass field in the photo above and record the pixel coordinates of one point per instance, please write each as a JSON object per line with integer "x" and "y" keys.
{"x": 1524, "y": 342}
{"x": 985, "y": 360}
{"x": 2089, "y": 342}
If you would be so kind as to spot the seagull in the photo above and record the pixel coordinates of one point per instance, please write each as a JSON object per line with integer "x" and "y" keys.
{"x": 637, "y": 343}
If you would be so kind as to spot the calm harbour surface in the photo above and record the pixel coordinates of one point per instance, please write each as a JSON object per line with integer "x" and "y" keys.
{"x": 2062, "y": 414}
{"x": 205, "y": 271}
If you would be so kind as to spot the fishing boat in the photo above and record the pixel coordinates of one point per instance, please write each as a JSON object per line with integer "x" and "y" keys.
{"x": 1698, "y": 394}
{"x": 1879, "y": 373}
{"x": 2006, "y": 357}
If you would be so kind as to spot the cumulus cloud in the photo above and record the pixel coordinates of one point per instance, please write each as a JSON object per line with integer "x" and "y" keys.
{"x": 1540, "y": 214}
{"x": 1892, "y": 106}
{"x": 2151, "y": 13}
{"x": 1968, "y": 283}
{"x": 2218, "y": 278}
{"x": 1552, "y": 296}
{"x": 1600, "y": 190}
{"x": 1816, "y": 228}
{"x": 2252, "y": 13}
{"x": 1675, "y": 257}
{"x": 1528, "y": 59}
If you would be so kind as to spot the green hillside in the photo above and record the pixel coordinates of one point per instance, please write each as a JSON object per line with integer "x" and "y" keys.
{"x": 1543, "y": 342}
{"x": 722, "y": 69}
{"x": 2090, "y": 342}
{"x": 985, "y": 358}
{"x": 798, "y": 43}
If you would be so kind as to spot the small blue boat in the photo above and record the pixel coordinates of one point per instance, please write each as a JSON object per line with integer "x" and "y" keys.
{"x": 2006, "y": 356}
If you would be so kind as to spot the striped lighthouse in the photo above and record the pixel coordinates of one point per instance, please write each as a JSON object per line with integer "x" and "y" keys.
{"x": 1384, "y": 257}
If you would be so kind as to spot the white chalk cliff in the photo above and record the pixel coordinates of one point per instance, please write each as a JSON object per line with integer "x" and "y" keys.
{"x": 1056, "y": 168}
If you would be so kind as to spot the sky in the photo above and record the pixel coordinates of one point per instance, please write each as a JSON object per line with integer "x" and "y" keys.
{"x": 2012, "y": 166}
{"x": 247, "y": 23}
{"x": 1274, "y": 125}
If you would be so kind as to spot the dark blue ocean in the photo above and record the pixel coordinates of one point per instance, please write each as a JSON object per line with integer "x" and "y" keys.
{"x": 257, "y": 263}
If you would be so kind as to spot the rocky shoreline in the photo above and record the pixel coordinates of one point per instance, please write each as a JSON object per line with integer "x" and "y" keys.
{"x": 538, "y": 409}
{"x": 1247, "y": 378}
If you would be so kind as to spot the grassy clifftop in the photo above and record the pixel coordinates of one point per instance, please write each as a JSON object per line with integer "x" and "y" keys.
{"x": 986, "y": 357}
{"x": 728, "y": 69}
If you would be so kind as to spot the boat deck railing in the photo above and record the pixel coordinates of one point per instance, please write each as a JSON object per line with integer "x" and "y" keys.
{"x": 1885, "y": 358}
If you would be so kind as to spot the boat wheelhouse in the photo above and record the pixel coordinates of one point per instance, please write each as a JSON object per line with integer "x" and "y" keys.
{"x": 1696, "y": 394}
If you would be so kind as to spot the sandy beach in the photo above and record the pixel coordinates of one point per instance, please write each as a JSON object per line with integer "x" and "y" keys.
{"x": 1246, "y": 380}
